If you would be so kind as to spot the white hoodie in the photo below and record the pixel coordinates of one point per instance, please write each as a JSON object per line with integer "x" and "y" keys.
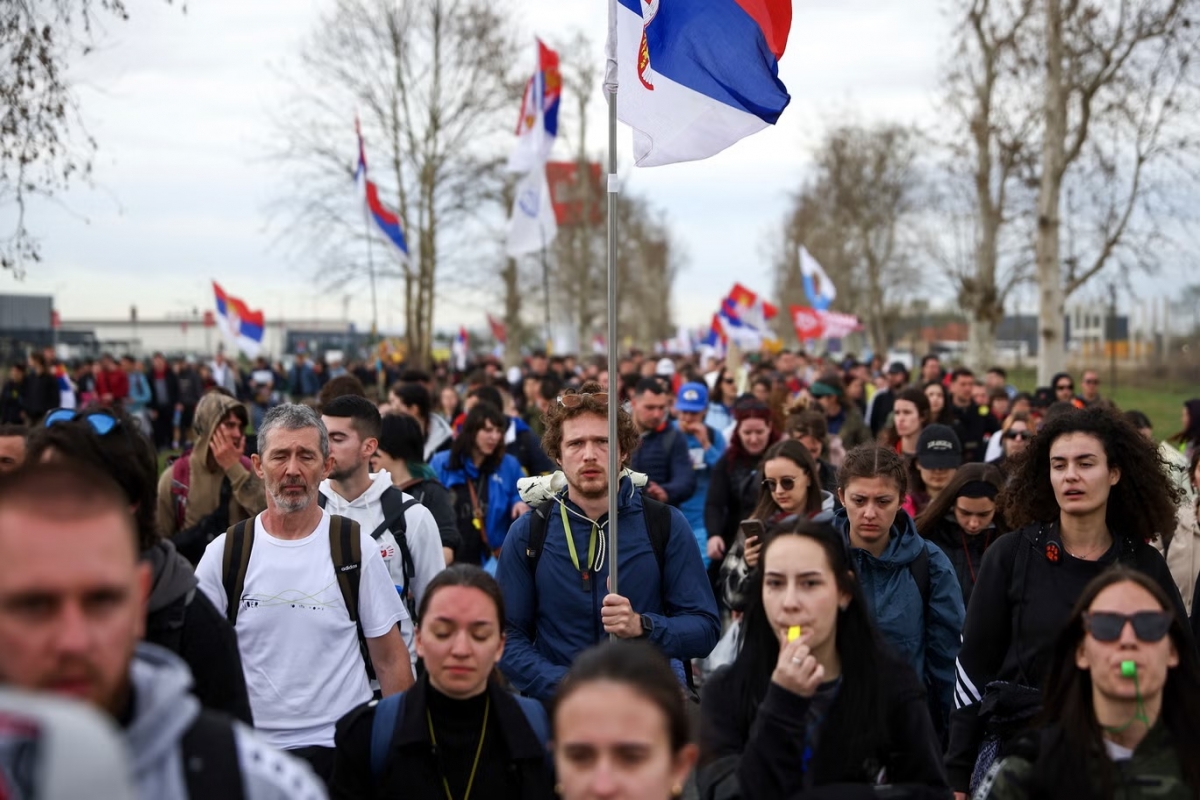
{"x": 424, "y": 541}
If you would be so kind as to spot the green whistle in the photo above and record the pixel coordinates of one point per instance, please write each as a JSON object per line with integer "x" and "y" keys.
{"x": 1128, "y": 669}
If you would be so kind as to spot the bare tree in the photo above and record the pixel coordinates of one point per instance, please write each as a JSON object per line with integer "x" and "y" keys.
{"x": 1119, "y": 106}
{"x": 431, "y": 80}
{"x": 993, "y": 120}
{"x": 858, "y": 217}
{"x": 44, "y": 144}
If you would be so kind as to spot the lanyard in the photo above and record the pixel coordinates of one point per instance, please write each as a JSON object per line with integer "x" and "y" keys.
{"x": 585, "y": 574}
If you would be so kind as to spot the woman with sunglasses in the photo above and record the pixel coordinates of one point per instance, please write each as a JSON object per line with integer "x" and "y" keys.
{"x": 1012, "y": 440}
{"x": 1122, "y": 709}
{"x": 814, "y": 698}
{"x": 791, "y": 489}
{"x": 720, "y": 402}
{"x": 963, "y": 520}
{"x": 1090, "y": 493}
{"x": 734, "y": 482}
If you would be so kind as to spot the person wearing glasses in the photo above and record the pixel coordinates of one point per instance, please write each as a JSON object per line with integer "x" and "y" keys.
{"x": 720, "y": 402}
{"x": 1063, "y": 386}
{"x": 1091, "y": 388}
{"x": 963, "y": 522}
{"x": 554, "y": 568}
{"x": 1090, "y": 493}
{"x": 1122, "y": 711}
{"x": 1013, "y": 439}
{"x": 790, "y": 490}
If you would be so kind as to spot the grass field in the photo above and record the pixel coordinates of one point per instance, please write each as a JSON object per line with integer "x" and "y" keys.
{"x": 1160, "y": 400}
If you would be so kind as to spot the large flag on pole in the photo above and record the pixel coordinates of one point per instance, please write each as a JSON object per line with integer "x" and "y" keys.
{"x": 820, "y": 290}
{"x": 537, "y": 126}
{"x": 695, "y": 77}
{"x": 386, "y": 220}
{"x": 242, "y": 328}
{"x": 532, "y": 226}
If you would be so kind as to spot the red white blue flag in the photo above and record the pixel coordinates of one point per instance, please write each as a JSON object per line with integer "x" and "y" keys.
{"x": 695, "y": 77}
{"x": 537, "y": 126}
{"x": 386, "y": 220}
{"x": 241, "y": 327}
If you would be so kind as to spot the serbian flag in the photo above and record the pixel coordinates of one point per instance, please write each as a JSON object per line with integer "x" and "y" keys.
{"x": 695, "y": 77}
{"x": 459, "y": 349}
{"x": 537, "y": 126}
{"x": 752, "y": 309}
{"x": 386, "y": 219}
{"x": 241, "y": 327}
{"x": 820, "y": 290}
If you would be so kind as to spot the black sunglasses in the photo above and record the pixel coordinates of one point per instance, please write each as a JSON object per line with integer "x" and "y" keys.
{"x": 1148, "y": 626}
{"x": 1022, "y": 435}
{"x": 1063, "y": 387}
{"x": 787, "y": 483}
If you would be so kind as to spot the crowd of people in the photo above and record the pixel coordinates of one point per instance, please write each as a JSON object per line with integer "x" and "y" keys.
{"x": 833, "y": 580}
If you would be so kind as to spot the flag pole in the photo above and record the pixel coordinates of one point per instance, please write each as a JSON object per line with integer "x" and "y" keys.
{"x": 614, "y": 382}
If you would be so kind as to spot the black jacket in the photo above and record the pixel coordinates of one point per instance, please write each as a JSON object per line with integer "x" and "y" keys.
{"x": 759, "y": 759}
{"x": 1011, "y": 638}
{"x": 41, "y": 395}
{"x": 435, "y": 497}
{"x": 965, "y": 552}
{"x": 732, "y": 494}
{"x": 411, "y": 769}
{"x": 974, "y": 426}
{"x": 172, "y": 396}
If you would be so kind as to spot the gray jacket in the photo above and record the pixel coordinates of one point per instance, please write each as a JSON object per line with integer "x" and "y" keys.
{"x": 163, "y": 711}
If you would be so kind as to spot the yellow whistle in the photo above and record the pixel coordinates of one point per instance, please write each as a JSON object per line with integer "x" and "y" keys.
{"x": 478, "y": 525}
{"x": 793, "y": 633}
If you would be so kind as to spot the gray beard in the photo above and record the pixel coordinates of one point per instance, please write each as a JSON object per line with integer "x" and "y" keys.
{"x": 292, "y": 506}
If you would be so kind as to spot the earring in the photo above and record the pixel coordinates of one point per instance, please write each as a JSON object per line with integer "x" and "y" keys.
{"x": 677, "y": 790}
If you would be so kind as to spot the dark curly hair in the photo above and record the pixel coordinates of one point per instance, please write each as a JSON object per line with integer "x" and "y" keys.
{"x": 627, "y": 433}
{"x": 1141, "y": 504}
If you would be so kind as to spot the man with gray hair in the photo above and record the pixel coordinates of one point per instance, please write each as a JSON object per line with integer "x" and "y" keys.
{"x": 308, "y": 594}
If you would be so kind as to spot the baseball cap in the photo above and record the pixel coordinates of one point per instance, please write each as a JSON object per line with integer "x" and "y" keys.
{"x": 665, "y": 368}
{"x": 692, "y": 397}
{"x": 939, "y": 448}
{"x": 821, "y": 389}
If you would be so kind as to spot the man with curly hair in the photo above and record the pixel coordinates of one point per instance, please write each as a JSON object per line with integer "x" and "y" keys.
{"x": 554, "y": 566}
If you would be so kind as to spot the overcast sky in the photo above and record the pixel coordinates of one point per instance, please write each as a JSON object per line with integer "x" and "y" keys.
{"x": 180, "y": 104}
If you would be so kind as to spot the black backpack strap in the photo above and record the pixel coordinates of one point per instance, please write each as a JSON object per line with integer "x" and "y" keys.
{"x": 239, "y": 540}
{"x": 211, "y": 767}
{"x": 395, "y": 507}
{"x": 538, "y": 525}
{"x": 322, "y": 499}
{"x": 919, "y": 569}
{"x": 345, "y": 547}
{"x": 658, "y": 528}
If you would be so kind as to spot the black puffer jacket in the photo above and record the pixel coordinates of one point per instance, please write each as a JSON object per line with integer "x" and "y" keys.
{"x": 964, "y": 550}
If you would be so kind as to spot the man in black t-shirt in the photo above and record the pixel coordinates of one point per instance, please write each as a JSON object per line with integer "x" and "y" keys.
{"x": 973, "y": 423}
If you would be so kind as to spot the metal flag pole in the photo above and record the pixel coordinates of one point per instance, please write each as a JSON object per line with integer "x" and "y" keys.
{"x": 614, "y": 383}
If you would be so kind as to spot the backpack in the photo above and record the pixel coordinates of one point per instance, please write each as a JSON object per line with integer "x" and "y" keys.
{"x": 658, "y": 526}
{"x": 390, "y": 710}
{"x": 209, "y": 753}
{"x": 345, "y": 547}
{"x": 394, "y": 509}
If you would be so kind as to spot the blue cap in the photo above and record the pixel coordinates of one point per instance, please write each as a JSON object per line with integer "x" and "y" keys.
{"x": 692, "y": 397}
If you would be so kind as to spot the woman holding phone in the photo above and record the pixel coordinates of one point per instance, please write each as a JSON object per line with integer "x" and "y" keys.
{"x": 791, "y": 488}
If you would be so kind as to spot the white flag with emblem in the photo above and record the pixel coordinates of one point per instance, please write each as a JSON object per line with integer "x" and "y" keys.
{"x": 532, "y": 226}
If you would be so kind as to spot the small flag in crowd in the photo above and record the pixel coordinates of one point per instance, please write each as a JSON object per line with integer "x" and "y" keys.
{"x": 386, "y": 219}
{"x": 459, "y": 349}
{"x": 240, "y": 326}
{"x": 815, "y": 323}
{"x": 752, "y": 309}
{"x": 537, "y": 127}
{"x": 695, "y": 77}
{"x": 499, "y": 331}
{"x": 532, "y": 226}
{"x": 820, "y": 290}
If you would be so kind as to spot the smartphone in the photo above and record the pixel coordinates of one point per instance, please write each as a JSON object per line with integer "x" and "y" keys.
{"x": 752, "y": 527}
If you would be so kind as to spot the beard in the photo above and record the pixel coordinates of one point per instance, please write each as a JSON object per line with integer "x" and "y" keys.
{"x": 290, "y": 504}
{"x": 342, "y": 472}
{"x": 591, "y": 487}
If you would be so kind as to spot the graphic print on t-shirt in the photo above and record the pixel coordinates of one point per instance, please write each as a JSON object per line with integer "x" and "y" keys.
{"x": 327, "y": 598}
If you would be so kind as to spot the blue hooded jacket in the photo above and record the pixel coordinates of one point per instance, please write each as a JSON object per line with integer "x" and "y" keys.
{"x": 501, "y": 494}
{"x": 550, "y": 620}
{"x": 928, "y": 638}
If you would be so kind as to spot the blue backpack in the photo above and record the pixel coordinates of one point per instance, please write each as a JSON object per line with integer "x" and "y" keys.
{"x": 391, "y": 708}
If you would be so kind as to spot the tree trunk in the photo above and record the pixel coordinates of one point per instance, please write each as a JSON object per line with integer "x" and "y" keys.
{"x": 981, "y": 342}
{"x": 1051, "y": 345}
{"x": 512, "y": 313}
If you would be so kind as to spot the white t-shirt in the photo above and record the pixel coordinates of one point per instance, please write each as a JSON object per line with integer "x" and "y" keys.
{"x": 299, "y": 648}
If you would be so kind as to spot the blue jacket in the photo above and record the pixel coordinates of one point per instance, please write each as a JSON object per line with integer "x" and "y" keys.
{"x": 663, "y": 457}
{"x": 550, "y": 620}
{"x": 501, "y": 494}
{"x": 928, "y": 638}
{"x": 702, "y": 464}
{"x": 139, "y": 392}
